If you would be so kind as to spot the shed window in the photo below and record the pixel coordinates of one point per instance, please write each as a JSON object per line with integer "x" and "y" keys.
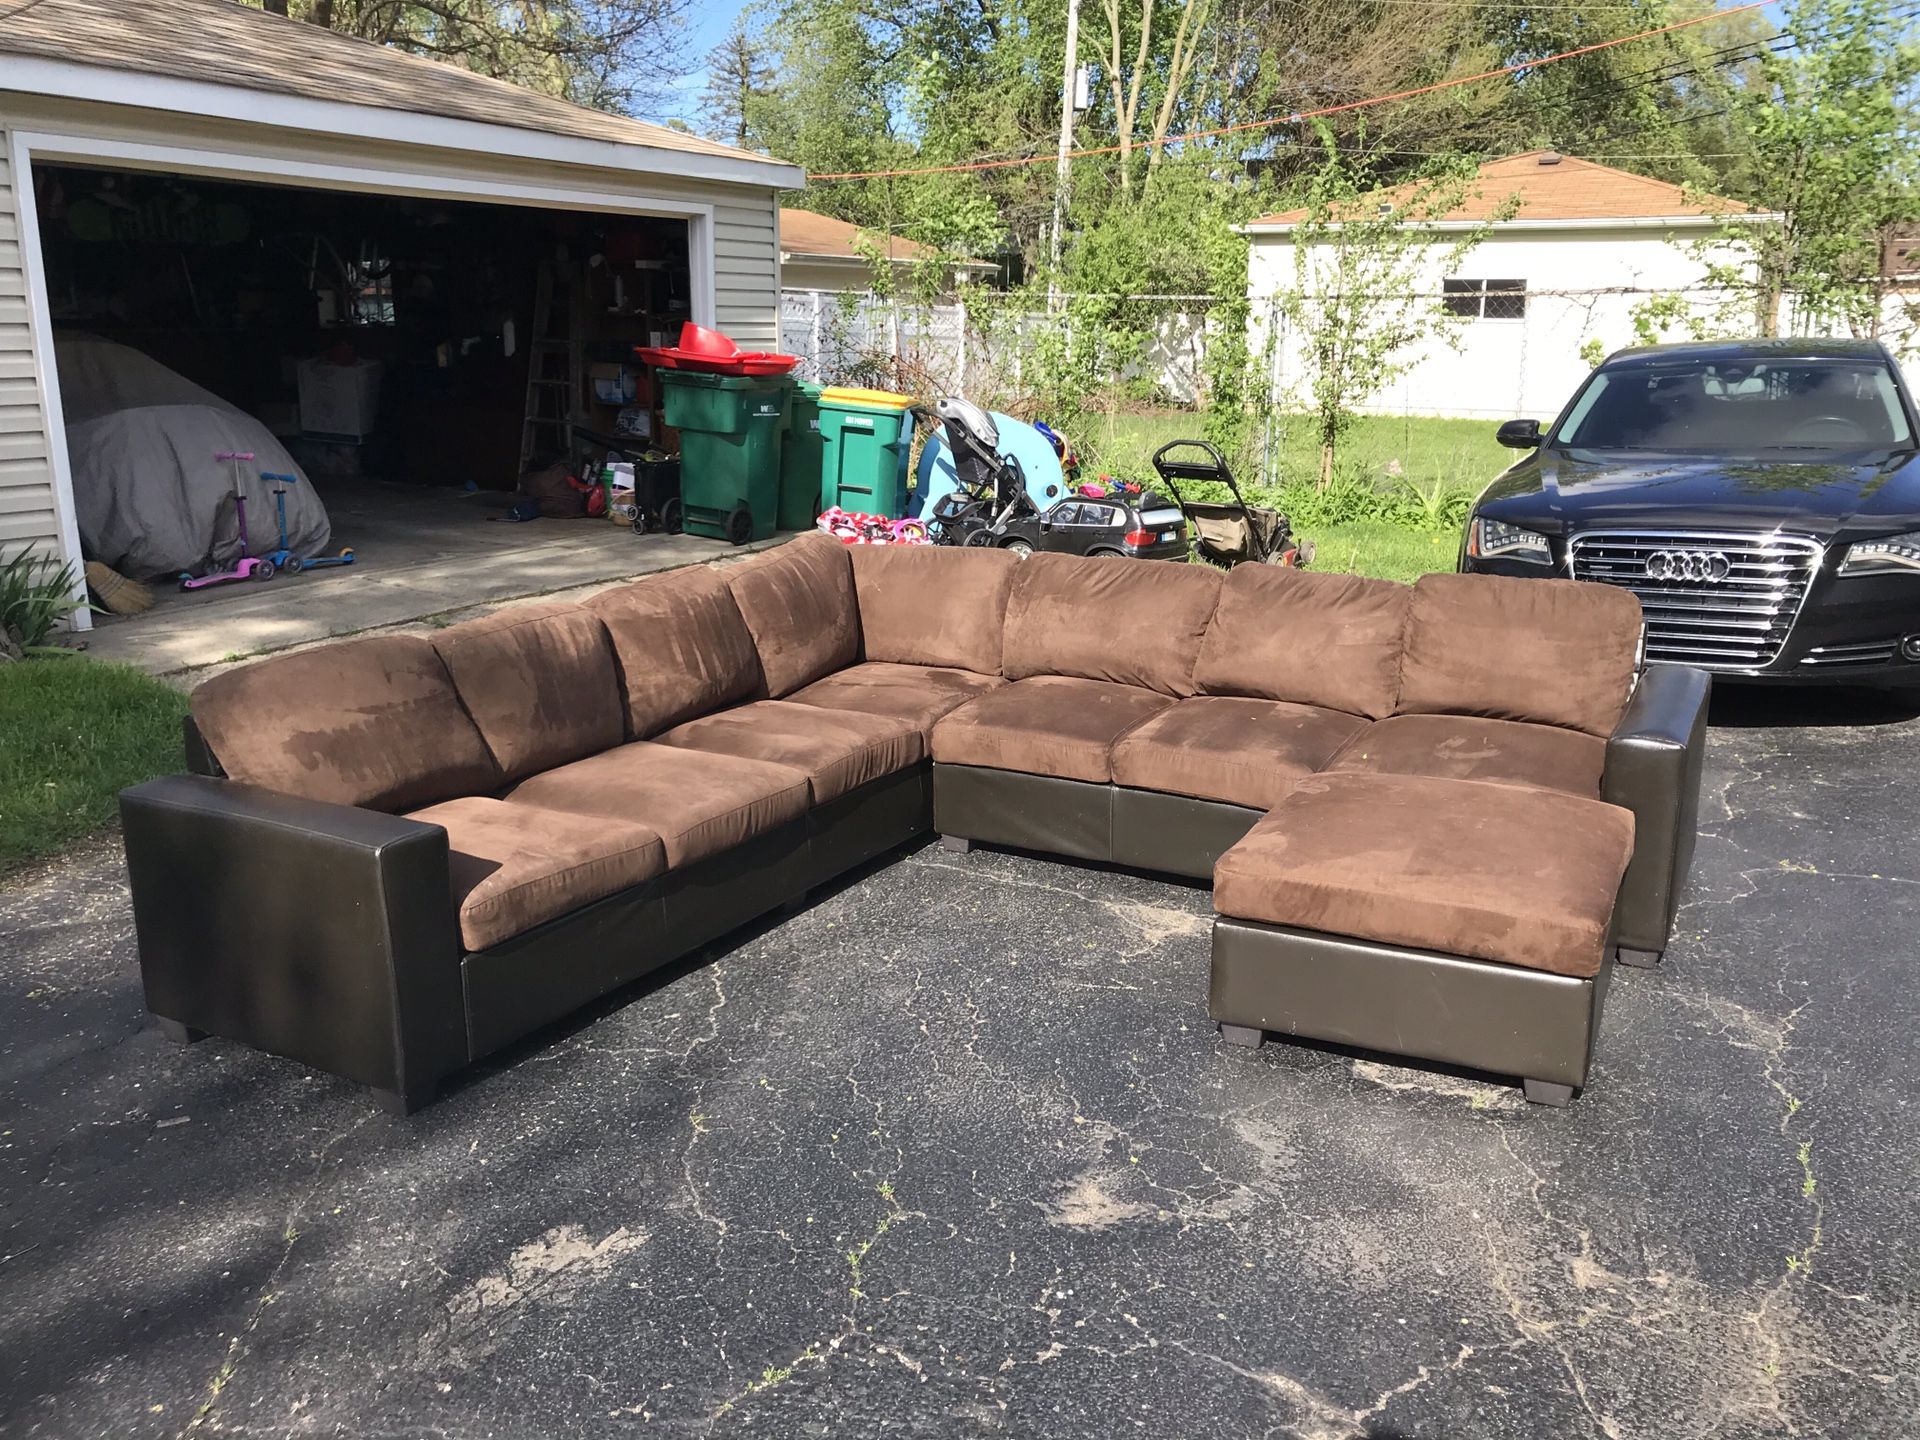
{"x": 1485, "y": 299}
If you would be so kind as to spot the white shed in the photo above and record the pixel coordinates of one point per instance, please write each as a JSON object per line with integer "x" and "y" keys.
{"x": 172, "y": 125}
{"x": 1586, "y": 245}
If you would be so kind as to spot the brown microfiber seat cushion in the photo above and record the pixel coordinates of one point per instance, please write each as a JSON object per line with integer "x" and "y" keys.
{"x": 697, "y": 803}
{"x": 682, "y": 646}
{"x": 1490, "y": 872}
{"x": 1129, "y": 622}
{"x": 518, "y": 866}
{"x": 918, "y": 693}
{"x": 798, "y": 602}
{"x": 1050, "y": 725}
{"x": 373, "y": 722}
{"x": 1466, "y": 747}
{"x": 539, "y": 681}
{"x": 1559, "y": 652}
{"x": 932, "y": 604}
{"x": 838, "y": 750}
{"x": 1239, "y": 751}
{"x": 1286, "y": 634}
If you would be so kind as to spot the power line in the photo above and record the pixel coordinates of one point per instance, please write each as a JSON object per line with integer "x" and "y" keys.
{"x": 1294, "y": 118}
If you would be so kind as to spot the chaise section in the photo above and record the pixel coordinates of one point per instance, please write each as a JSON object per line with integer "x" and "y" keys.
{"x": 837, "y": 750}
{"x": 1654, "y": 759}
{"x": 919, "y": 694}
{"x": 698, "y": 803}
{"x": 1469, "y": 747}
{"x": 1049, "y": 725}
{"x": 514, "y": 867}
{"x": 374, "y": 722}
{"x": 1450, "y": 920}
{"x": 1238, "y": 751}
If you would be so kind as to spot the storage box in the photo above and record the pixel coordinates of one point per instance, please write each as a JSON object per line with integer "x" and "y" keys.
{"x": 339, "y": 401}
{"x": 613, "y": 384}
{"x": 634, "y": 423}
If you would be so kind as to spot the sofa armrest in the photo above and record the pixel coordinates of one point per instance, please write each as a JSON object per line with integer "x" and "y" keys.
{"x": 320, "y": 932}
{"x": 1654, "y": 759}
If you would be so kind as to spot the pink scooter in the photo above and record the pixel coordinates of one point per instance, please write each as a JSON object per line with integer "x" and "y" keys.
{"x": 248, "y": 566}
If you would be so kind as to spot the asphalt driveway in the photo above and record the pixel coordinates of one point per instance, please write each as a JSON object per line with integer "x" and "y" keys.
{"x": 955, "y": 1152}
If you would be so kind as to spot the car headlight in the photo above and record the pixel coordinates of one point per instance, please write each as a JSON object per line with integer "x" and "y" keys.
{"x": 1496, "y": 540}
{"x": 1884, "y": 557}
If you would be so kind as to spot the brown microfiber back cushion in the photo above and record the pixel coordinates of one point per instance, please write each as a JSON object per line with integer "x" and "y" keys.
{"x": 1558, "y": 652}
{"x": 798, "y": 602}
{"x": 683, "y": 649}
{"x": 1134, "y": 622}
{"x": 931, "y": 605}
{"x": 371, "y": 722}
{"x": 1286, "y": 634}
{"x": 539, "y": 681}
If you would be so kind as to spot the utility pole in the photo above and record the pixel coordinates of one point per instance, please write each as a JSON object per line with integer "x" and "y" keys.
{"x": 1063, "y": 174}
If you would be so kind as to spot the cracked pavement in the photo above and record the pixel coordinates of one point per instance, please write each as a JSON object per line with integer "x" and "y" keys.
{"x": 956, "y": 1152}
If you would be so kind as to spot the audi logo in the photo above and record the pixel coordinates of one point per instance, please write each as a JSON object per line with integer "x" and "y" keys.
{"x": 1703, "y": 566}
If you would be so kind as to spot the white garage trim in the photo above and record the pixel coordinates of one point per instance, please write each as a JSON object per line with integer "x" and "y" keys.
{"x": 25, "y": 147}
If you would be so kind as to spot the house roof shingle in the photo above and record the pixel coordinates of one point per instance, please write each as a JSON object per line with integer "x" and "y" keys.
{"x": 1557, "y": 187}
{"x": 221, "y": 42}
{"x": 807, "y": 232}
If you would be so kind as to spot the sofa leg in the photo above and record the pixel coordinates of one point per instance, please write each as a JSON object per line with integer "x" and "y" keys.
{"x": 1638, "y": 959}
{"x": 178, "y": 1033}
{"x": 1547, "y": 1092}
{"x": 1251, "y": 1036}
{"x": 958, "y": 843}
{"x": 404, "y": 1102}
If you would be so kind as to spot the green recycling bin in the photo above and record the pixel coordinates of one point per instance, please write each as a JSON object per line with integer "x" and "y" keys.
{"x": 865, "y": 439}
{"x": 732, "y": 428}
{"x": 800, "y": 461}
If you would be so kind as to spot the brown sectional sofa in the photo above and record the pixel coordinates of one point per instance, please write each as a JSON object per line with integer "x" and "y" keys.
{"x": 1431, "y": 814}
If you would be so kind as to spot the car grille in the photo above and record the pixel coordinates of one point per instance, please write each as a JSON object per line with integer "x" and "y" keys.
{"x": 1718, "y": 599}
{"x": 1860, "y": 652}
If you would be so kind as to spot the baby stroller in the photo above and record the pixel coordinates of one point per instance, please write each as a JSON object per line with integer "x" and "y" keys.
{"x": 992, "y": 488}
{"x": 1227, "y": 534}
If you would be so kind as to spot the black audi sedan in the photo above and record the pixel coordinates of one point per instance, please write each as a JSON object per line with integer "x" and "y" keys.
{"x": 1761, "y": 497}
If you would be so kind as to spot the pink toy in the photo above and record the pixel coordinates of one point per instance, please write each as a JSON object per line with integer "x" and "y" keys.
{"x": 248, "y": 566}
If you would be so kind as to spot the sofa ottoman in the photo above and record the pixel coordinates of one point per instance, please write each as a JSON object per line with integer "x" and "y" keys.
{"x": 1453, "y": 920}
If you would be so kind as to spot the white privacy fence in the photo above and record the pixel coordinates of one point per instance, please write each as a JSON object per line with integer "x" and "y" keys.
{"x": 859, "y": 337}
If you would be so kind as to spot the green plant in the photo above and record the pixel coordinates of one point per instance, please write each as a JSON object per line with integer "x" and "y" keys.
{"x": 36, "y": 591}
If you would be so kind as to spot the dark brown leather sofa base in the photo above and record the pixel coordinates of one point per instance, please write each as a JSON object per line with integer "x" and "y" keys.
{"x": 1502, "y": 1018}
{"x": 321, "y": 980}
{"x": 1144, "y": 829}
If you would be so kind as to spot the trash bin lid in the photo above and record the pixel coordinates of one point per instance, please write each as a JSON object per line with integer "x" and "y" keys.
{"x": 870, "y": 399}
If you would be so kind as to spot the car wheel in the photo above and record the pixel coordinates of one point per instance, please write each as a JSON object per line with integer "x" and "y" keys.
{"x": 1105, "y": 555}
{"x": 1019, "y": 549}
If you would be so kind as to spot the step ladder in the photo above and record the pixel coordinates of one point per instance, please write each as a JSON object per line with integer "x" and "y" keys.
{"x": 553, "y": 365}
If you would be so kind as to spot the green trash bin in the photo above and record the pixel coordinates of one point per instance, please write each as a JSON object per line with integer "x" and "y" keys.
{"x": 731, "y": 431}
{"x": 865, "y": 439}
{"x": 800, "y": 461}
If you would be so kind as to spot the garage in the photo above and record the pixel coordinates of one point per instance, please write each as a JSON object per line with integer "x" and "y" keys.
{"x": 400, "y": 287}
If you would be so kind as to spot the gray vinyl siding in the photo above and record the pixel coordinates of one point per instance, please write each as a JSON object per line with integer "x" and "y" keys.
{"x": 27, "y": 515}
{"x": 746, "y": 269}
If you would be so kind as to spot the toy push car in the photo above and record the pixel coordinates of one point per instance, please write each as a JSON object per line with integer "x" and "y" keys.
{"x": 1141, "y": 527}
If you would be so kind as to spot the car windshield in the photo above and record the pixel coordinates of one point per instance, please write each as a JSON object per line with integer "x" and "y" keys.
{"x": 1742, "y": 408}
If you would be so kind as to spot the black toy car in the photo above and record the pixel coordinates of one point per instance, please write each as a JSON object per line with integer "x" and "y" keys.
{"x": 1762, "y": 498}
{"x": 1141, "y": 527}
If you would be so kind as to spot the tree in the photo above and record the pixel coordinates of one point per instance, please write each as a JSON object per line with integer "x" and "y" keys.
{"x": 1366, "y": 266}
{"x": 611, "y": 54}
{"x": 739, "y": 75}
{"x": 1830, "y": 123}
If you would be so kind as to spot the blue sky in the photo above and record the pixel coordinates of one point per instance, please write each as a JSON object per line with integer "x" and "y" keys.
{"x": 707, "y": 24}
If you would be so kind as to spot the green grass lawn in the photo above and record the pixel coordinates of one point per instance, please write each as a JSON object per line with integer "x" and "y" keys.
{"x": 1386, "y": 551}
{"x": 73, "y": 733}
{"x": 1458, "y": 452}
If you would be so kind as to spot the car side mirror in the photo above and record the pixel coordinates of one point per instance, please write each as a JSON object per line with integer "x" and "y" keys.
{"x": 1519, "y": 434}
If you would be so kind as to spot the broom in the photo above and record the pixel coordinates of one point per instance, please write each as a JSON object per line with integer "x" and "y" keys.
{"x": 116, "y": 593}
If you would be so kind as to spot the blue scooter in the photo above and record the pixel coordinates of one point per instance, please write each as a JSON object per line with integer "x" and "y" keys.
{"x": 283, "y": 555}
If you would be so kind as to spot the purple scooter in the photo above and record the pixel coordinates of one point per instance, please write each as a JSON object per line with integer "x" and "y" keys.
{"x": 248, "y": 566}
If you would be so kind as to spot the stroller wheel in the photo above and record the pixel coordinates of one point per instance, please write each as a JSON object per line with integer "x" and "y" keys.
{"x": 978, "y": 539}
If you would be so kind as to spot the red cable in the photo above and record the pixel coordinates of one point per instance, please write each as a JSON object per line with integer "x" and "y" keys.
{"x": 1298, "y": 115}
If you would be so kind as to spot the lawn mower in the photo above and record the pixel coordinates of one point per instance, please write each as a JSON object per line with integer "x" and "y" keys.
{"x": 282, "y": 554}
{"x": 1227, "y": 534}
{"x": 248, "y": 566}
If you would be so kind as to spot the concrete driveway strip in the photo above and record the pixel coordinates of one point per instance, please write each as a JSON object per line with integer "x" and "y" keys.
{"x": 956, "y": 1153}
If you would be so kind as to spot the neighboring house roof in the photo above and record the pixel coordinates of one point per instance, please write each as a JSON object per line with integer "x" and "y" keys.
{"x": 222, "y": 43}
{"x": 809, "y": 235}
{"x": 1553, "y": 189}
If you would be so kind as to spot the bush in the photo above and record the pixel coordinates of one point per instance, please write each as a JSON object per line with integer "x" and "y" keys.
{"x": 36, "y": 593}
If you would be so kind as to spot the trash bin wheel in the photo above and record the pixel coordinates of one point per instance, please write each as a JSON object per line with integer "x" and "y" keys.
{"x": 670, "y": 515}
{"x": 739, "y": 525}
